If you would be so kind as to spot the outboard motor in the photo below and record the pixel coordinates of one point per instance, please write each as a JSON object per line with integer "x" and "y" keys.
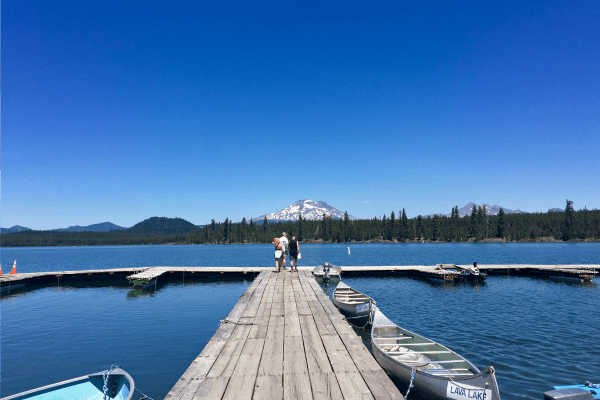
{"x": 326, "y": 269}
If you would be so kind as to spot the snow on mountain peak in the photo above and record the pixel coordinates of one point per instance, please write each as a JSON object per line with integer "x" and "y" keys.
{"x": 310, "y": 210}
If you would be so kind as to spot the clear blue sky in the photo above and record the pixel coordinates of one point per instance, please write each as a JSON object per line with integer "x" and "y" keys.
{"x": 119, "y": 111}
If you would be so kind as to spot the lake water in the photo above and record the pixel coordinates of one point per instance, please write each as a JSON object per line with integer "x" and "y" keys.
{"x": 535, "y": 332}
{"x": 36, "y": 259}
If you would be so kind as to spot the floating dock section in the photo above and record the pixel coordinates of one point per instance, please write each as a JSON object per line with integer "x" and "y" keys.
{"x": 284, "y": 339}
{"x": 27, "y": 281}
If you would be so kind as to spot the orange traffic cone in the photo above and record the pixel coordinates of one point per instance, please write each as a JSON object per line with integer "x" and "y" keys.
{"x": 14, "y": 270}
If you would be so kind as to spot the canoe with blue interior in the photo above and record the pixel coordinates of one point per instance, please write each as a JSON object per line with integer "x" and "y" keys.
{"x": 587, "y": 391}
{"x": 120, "y": 386}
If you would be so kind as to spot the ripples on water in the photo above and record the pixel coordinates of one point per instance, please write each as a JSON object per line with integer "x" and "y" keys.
{"x": 36, "y": 259}
{"x": 536, "y": 333}
{"x": 53, "y": 334}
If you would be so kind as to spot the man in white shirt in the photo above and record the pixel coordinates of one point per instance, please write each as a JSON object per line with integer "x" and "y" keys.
{"x": 284, "y": 240}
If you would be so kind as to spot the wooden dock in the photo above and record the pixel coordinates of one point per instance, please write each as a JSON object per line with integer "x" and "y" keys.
{"x": 284, "y": 339}
{"x": 584, "y": 271}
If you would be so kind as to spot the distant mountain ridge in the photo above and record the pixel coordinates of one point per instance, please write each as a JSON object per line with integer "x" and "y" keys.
{"x": 163, "y": 226}
{"x": 490, "y": 210}
{"x": 310, "y": 210}
{"x": 16, "y": 228}
{"x": 101, "y": 227}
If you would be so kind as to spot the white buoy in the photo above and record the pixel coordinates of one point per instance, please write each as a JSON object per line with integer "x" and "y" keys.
{"x": 348, "y": 250}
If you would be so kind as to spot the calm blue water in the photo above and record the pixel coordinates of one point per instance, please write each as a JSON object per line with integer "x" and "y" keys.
{"x": 53, "y": 334}
{"x": 38, "y": 259}
{"x": 535, "y": 332}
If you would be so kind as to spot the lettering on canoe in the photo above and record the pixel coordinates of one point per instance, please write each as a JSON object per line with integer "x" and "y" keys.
{"x": 362, "y": 307}
{"x": 467, "y": 392}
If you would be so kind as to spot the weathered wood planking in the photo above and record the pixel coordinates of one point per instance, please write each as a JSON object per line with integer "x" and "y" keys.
{"x": 284, "y": 339}
{"x": 211, "y": 370}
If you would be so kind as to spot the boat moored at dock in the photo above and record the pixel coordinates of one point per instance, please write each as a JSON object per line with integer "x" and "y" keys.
{"x": 114, "y": 384}
{"x": 452, "y": 273}
{"x": 356, "y": 306}
{"x": 434, "y": 371}
{"x": 327, "y": 272}
{"x": 586, "y": 391}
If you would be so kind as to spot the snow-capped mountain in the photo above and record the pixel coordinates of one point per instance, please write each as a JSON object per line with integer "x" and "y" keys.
{"x": 311, "y": 210}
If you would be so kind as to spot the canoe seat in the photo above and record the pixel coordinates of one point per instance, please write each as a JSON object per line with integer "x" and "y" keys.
{"x": 419, "y": 344}
{"x": 449, "y": 361}
{"x": 393, "y": 337}
{"x": 447, "y": 372}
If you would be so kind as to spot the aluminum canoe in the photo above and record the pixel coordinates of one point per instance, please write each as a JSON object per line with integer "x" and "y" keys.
{"x": 352, "y": 303}
{"x": 440, "y": 373}
{"x": 120, "y": 386}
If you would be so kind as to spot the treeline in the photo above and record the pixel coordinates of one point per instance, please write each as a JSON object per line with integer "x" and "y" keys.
{"x": 566, "y": 225}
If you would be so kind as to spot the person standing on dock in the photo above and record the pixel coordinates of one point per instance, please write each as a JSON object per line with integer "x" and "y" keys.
{"x": 279, "y": 252}
{"x": 294, "y": 248}
{"x": 284, "y": 240}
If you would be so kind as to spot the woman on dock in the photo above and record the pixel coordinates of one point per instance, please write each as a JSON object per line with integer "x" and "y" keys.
{"x": 279, "y": 252}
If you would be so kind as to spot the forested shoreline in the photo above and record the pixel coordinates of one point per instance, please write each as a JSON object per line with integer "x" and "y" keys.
{"x": 568, "y": 225}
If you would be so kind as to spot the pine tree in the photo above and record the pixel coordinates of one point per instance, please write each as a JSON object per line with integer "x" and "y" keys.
{"x": 265, "y": 225}
{"x": 392, "y": 230}
{"x": 346, "y": 227}
{"x": 300, "y": 228}
{"x": 501, "y": 223}
{"x": 435, "y": 227}
{"x": 226, "y": 229}
{"x": 419, "y": 227}
{"x": 455, "y": 212}
{"x": 568, "y": 231}
{"x": 480, "y": 218}
{"x": 474, "y": 221}
{"x": 404, "y": 225}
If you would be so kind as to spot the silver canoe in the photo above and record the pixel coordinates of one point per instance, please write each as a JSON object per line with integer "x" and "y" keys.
{"x": 352, "y": 303}
{"x": 439, "y": 372}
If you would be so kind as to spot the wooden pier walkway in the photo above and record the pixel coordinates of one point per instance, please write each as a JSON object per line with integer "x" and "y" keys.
{"x": 284, "y": 339}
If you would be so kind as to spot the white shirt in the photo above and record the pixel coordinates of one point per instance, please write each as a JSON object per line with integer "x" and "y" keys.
{"x": 285, "y": 242}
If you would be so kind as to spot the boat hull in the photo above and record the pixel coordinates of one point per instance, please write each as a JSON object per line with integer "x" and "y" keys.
{"x": 477, "y": 385}
{"x": 352, "y": 303}
{"x": 430, "y": 387}
{"x": 120, "y": 387}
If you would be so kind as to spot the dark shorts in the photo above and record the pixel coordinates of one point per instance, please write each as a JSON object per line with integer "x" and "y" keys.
{"x": 294, "y": 256}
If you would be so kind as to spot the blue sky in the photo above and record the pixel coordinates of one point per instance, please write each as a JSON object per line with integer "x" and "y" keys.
{"x": 119, "y": 111}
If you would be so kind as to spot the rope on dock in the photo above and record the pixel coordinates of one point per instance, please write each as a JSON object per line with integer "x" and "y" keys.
{"x": 145, "y": 396}
{"x": 228, "y": 321}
